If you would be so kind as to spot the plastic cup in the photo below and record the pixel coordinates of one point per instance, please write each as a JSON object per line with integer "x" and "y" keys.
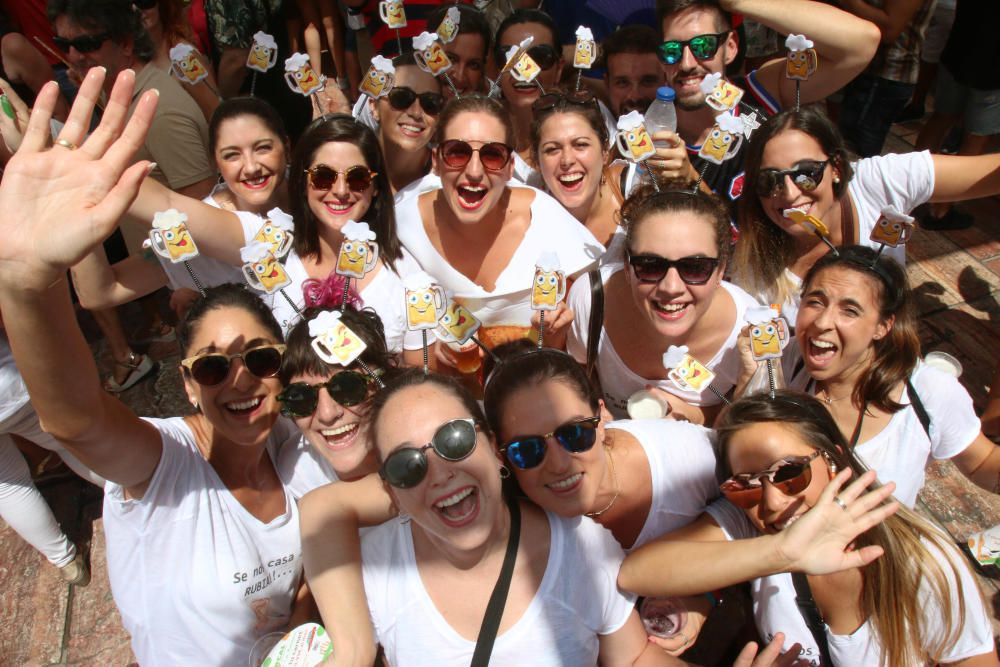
{"x": 645, "y": 404}
{"x": 467, "y": 359}
{"x": 663, "y": 617}
{"x": 263, "y": 646}
{"x": 944, "y": 362}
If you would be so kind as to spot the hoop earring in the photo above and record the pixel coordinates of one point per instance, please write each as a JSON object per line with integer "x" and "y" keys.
{"x": 504, "y": 471}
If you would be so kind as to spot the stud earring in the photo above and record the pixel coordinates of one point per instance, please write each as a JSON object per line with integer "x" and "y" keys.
{"x": 504, "y": 472}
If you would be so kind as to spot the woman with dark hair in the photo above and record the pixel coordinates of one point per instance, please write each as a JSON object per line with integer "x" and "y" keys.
{"x": 858, "y": 350}
{"x": 469, "y": 51}
{"x": 798, "y": 160}
{"x": 666, "y": 292}
{"x": 479, "y": 233}
{"x": 196, "y": 495}
{"x": 886, "y": 587}
{"x": 329, "y": 402}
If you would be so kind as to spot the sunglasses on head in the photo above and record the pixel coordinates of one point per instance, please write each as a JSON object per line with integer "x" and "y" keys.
{"x": 83, "y": 43}
{"x": 806, "y": 175}
{"x": 402, "y": 98}
{"x": 457, "y": 153}
{"x": 528, "y": 451}
{"x": 299, "y": 399}
{"x": 453, "y": 441}
{"x": 544, "y": 54}
{"x": 552, "y": 100}
{"x": 210, "y": 369}
{"x": 692, "y": 270}
{"x": 702, "y": 47}
{"x": 358, "y": 178}
{"x": 790, "y": 475}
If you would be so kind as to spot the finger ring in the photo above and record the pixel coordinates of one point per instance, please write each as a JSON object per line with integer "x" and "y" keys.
{"x": 840, "y": 502}
{"x": 66, "y": 143}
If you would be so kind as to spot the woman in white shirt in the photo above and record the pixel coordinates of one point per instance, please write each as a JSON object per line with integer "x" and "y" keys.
{"x": 886, "y": 589}
{"x": 667, "y": 291}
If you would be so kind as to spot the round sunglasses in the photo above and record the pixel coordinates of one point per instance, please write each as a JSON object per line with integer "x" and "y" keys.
{"x": 545, "y": 55}
{"x": 402, "y": 98}
{"x": 806, "y": 175}
{"x": 702, "y": 47}
{"x": 358, "y": 178}
{"x": 790, "y": 475}
{"x": 692, "y": 270}
{"x": 83, "y": 43}
{"x": 299, "y": 399}
{"x": 211, "y": 369}
{"x": 453, "y": 441}
{"x": 528, "y": 451}
{"x": 456, "y": 153}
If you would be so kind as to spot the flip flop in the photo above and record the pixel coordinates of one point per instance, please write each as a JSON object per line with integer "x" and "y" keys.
{"x": 141, "y": 367}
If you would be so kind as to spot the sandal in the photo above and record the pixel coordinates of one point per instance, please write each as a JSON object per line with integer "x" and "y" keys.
{"x": 141, "y": 367}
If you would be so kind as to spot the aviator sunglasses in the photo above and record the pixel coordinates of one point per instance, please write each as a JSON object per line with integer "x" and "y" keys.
{"x": 83, "y": 43}
{"x": 299, "y": 399}
{"x": 790, "y": 475}
{"x": 453, "y": 441}
{"x": 457, "y": 153}
{"x": 402, "y": 98}
{"x": 702, "y": 47}
{"x": 210, "y": 369}
{"x": 358, "y": 177}
{"x": 806, "y": 175}
{"x": 528, "y": 451}
{"x": 692, "y": 270}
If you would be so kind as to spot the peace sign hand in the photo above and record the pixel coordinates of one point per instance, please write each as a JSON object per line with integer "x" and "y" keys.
{"x": 59, "y": 203}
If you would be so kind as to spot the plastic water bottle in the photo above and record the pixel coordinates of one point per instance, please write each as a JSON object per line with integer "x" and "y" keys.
{"x": 661, "y": 114}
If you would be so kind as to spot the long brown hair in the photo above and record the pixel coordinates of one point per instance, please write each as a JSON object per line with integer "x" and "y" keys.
{"x": 890, "y": 597}
{"x": 894, "y": 356}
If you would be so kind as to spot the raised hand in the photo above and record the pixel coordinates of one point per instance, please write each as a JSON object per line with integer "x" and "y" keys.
{"x": 59, "y": 203}
{"x": 820, "y": 541}
{"x": 771, "y": 656}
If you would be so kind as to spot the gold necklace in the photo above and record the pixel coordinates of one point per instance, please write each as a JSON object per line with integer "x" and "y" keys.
{"x": 614, "y": 476}
{"x": 830, "y": 400}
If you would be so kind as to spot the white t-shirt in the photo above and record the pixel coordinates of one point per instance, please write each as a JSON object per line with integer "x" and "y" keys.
{"x": 552, "y": 229}
{"x": 578, "y": 599}
{"x": 384, "y": 294}
{"x": 775, "y": 609}
{"x": 902, "y": 180}
{"x": 303, "y": 468}
{"x": 901, "y": 451}
{"x": 196, "y": 577}
{"x": 682, "y": 467}
{"x": 619, "y": 381}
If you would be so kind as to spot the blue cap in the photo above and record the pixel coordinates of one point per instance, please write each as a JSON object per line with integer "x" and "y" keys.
{"x": 665, "y": 94}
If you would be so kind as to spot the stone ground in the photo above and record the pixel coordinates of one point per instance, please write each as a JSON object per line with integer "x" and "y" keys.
{"x": 956, "y": 275}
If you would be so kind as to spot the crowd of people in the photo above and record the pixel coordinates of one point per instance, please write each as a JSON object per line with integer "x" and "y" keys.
{"x": 416, "y": 323}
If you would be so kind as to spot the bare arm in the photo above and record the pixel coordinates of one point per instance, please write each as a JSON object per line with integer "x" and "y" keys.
{"x": 844, "y": 44}
{"x": 627, "y": 646}
{"x": 100, "y": 286}
{"x": 59, "y": 205}
{"x": 958, "y": 177}
{"x": 980, "y": 462}
{"x": 329, "y": 518}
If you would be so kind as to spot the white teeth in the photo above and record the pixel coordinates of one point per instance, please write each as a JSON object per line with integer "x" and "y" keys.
{"x": 256, "y": 181}
{"x": 338, "y": 207}
{"x": 340, "y": 430}
{"x": 826, "y": 345}
{"x": 411, "y": 128}
{"x": 565, "y": 483}
{"x": 474, "y": 188}
{"x": 244, "y": 405}
{"x": 454, "y": 499}
{"x": 670, "y": 307}
{"x": 571, "y": 178}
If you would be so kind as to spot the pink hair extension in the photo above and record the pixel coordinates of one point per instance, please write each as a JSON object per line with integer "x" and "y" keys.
{"x": 329, "y": 293}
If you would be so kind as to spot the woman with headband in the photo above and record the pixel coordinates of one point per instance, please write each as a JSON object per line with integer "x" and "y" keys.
{"x": 852, "y": 577}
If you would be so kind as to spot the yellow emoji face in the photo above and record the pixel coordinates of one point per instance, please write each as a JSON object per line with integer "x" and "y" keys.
{"x": 356, "y": 259}
{"x": 691, "y": 374}
{"x": 421, "y": 308}
{"x": 435, "y": 59}
{"x": 585, "y": 53}
{"x": 341, "y": 343}
{"x": 274, "y": 236}
{"x": 547, "y": 290}
{"x": 717, "y": 147}
{"x": 525, "y": 69}
{"x": 765, "y": 341}
{"x": 638, "y": 143}
{"x": 725, "y": 96}
{"x": 305, "y": 80}
{"x": 191, "y": 68}
{"x": 175, "y": 242}
{"x": 376, "y": 83}
{"x": 447, "y": 30}
{"x": 393, "y": 13}
{"x": 800, "y": 64}
{"x": 269, "y": 273}
{"x": 890, "y": 233}
{"x": 459, "y": 322}
{"x": 261, "y": 58}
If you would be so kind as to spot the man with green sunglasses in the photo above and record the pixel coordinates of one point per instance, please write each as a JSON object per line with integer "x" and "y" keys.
{"x": 699, "y": 39}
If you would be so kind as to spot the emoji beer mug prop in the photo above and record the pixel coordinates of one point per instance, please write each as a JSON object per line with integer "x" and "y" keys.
{"x": 448, "y": 30}
{"x": 170, "y": 238}
{"x": 263, "y": 52}
{"x": 687, "y": 373}
{"x": 276, "y": 232}
{"x": 893, "y": 228}
{"x": 300, "y": 75}
{"x": 262, "y": 269}
{"x": 333, "y": 341}
{"x": 724, "y": 140}
{"x": 457, "y": 327}
{"x": 380, "y": 78}
{"x": 424, "y": 302}
{"x": 185, "y": 65}
{"x": 392, "y": 13}
{"x": 429, "y": 54}
{"x": 548, "y": 287}
{"x": 358, "y": 252}
{"x": 768, "y": 338}
{"x": 802, "y": 61}
{"x": 720, "y": 94}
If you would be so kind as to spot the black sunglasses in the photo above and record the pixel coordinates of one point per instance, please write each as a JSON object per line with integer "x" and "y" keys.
{"x": 544, "y": 54}
{"x": 358, "y": 177}
{"x": 790, "y": 475}
{"x": 402, "y": 98}
{"x": 702, "y": 47}
{"x": 528, "y": 451}
{"x": 807, "y": 175}
{"x": 453, "y": 441}
{"x": 552, "y": 100}
{"x": 211, "y": 369}
{"x": 692, "y": 270}
{"x": 456, "y": 154}
{"x": 83, "y": 43}
{"x": 299, "y": 399}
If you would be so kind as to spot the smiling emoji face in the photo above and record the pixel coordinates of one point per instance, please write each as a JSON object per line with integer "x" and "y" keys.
{"x": 585, "y": 54}
{"x": 356, "y": 259}
{"x": 261, "y": 57}
{"x": 339, "y": 343}
{"x": 717, "y": 147}
{"x": 638, "y": 143}
{"x": 305, "y": 80}
{"x": 800, "y": 64}
{"x": 191, "y": 68}
{"x": 459, "y": 322}
{"x": 393, "y": 13}
{"x": 274, "y": 236}
{"x": 891, "y": 232}
{"x": 691, "y": 375}
{"x": 178, "y": 243}
{"x": 725, "y": 96}
{"x": 525, "y": 69}
{"x": 422, "y": 308}
{"x": 268, "y": 273}
{"x": 376, "y": 83}
{"x": 765, "y": 341}
{"x": 435, "y": 59}
{"x": 547, "y": 290}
